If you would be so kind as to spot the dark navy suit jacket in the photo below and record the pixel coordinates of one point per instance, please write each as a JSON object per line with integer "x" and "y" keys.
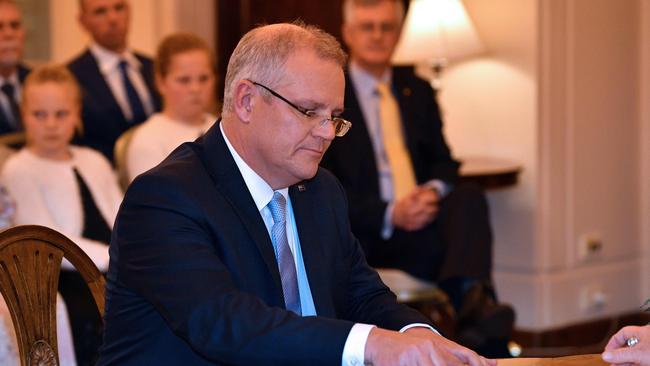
{"x": 193, "y": 278}
{"x": 5, "y": 125}
{"x": 352, "y": 158}
{"x": 102, "y": 117}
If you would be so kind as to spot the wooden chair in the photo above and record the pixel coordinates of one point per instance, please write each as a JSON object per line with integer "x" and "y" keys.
{"x": 14, "y": 140}
{"x": 119, "y": 153}
{"x": 30, "y": 261}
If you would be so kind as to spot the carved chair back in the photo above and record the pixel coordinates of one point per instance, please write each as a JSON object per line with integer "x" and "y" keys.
{"x": 30, "y": 262}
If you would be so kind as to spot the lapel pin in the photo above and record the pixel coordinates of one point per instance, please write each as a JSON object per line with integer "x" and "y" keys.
{"x": 407, "y": 92}
{"x": 301, "y": 188}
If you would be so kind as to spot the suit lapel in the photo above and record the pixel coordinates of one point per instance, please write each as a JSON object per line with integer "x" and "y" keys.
{"x": 229, "y": 181}
{"x": 403, "y": 94}
{"x": 148, "y": 76}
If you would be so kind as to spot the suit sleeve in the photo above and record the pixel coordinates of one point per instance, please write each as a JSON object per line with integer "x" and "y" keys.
{"x": 167, "y": 253}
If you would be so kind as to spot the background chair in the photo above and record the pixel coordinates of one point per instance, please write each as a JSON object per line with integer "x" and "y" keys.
{"x": 119, "y": 152}
{"x": 30, "y": 261}
{"x": 423, "y": 296}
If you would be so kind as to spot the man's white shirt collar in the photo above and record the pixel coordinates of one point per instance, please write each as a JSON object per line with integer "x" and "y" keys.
{"x": 109, "y": 60}
{"x": 12, "y": 79}
{"x": 260, "y": 190}
{"x": 364, "y": 82}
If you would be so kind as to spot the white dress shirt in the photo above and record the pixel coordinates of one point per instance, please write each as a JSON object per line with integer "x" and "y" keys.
{"x": 109, "y": 66}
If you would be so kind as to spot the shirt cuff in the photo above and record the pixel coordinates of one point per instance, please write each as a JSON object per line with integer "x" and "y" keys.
{"x": 440, "y": 186}
{"x": 354, "y": 351}
{"x": 387, "y": 229}
{"x": 420, "y": 325}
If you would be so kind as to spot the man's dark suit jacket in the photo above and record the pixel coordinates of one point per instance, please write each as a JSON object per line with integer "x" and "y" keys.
{"x": 5, "y": 125}
{"x": 193, "y": 278}
{"x": 103, "y": 120}
{"x": 352, "y": 159}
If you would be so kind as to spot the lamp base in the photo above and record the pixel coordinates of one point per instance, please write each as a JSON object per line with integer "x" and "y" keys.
{"x": 438, "y": 67}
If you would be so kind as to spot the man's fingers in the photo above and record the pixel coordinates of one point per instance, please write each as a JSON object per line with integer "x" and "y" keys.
{"x": 623, "y": 355}
{"x": 471, "y": 358}
{"x": 618, "y": 340}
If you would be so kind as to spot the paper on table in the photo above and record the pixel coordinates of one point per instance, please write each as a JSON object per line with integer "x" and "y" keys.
{"x": 581, "y": 360}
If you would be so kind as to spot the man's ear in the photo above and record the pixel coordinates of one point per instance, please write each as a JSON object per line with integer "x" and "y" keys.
{"x": 243, "y": 100}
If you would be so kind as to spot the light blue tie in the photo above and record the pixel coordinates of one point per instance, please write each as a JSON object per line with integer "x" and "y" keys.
{"x": 286, "y": 264}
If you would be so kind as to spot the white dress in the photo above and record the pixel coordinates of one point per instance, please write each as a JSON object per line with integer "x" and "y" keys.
{"x": 46, "y": 193}
{"x": 156, "y": 138}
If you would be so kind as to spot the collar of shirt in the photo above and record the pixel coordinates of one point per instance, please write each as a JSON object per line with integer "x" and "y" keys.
{"x": 260, "y": 190}
{"x": 13, "y": 79}
{"x": 109, "y": 60}
{"x": 364, "y": 82}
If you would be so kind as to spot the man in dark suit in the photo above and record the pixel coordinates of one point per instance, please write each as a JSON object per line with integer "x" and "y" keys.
{"x": 406, "y": 205}
{"x": 117, "y": 83}
{"x": 12, "y": 71}
{"x": 237, "y": 249}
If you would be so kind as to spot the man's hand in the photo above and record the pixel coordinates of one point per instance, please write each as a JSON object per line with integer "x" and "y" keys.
{"x": 618, "y": 353}
{"x": 418, "y": 346}
{"x": 416, "y": 210}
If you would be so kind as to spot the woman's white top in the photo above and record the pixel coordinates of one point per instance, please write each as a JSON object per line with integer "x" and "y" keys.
{"x": 153, "y": 140}
{"x": 46, "y": 193}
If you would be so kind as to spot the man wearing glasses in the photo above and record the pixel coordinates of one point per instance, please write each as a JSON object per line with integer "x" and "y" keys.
{"x": 237, "y": 250}
{"x": 406, "y": 206}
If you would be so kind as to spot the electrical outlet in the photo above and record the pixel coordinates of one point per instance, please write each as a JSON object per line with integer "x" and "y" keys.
{"x": 590, "y": 246}
{"x": 593, "y": 298}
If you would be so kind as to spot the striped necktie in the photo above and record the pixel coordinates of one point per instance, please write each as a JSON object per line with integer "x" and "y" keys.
{"x": 286, "y": 264}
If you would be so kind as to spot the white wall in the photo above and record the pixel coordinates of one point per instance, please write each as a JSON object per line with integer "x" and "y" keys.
{"x": 490, "y": 109}
{"x": 559, "y": 91}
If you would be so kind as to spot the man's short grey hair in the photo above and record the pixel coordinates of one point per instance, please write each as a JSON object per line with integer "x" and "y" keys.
{"x": 262, "y": 53}
{"x": 349, "y": 5}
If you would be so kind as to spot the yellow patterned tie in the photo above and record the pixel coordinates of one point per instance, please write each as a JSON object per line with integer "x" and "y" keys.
{"x": 398, "y": 158}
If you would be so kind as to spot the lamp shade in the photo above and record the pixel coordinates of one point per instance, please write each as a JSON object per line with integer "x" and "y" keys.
{"x": 436, "y": 31}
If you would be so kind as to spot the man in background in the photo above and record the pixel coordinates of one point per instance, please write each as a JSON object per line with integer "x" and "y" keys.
{"x": 117, "y": 83}
{"x": 12, "y": 71}
{"x": 406, "y": 205}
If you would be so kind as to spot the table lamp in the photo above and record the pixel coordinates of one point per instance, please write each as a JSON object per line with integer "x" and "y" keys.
{"x": 436, "y": 32}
